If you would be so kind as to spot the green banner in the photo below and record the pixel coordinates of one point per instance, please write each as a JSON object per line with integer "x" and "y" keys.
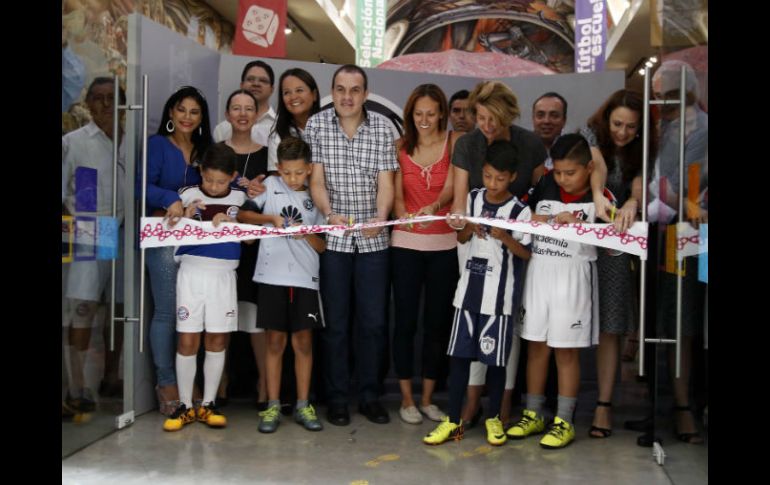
{"x": 370, "y": 32}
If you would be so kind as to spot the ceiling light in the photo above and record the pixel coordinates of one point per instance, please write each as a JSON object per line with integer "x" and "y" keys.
{"x": 654, "y": 59}
{"x": 288, "y": 30}
{"x": 641, "y": 72}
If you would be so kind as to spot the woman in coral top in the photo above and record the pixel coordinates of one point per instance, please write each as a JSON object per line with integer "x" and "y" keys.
{"x": 423, "y": 256}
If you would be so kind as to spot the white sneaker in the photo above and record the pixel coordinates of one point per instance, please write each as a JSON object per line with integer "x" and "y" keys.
{"x": 410, "y": 415}
{"x": 433, "y": 412}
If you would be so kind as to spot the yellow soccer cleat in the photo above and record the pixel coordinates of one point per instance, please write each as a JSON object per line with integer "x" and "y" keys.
{"x": 179, "y": 418}
{"x": 495, "y": 433}
{"x": 446, "y": 430}
{"x": 530, "y": 423}
{"x": 561, "y": 434}
{"x": 211, "y": 415}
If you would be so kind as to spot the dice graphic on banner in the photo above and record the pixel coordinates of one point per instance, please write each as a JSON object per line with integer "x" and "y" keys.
{"x": 260, "y": 26}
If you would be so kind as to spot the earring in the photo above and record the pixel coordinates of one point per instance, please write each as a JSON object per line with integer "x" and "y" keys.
{"x": 170, "y": 128}
{"x": 200, "y": 130}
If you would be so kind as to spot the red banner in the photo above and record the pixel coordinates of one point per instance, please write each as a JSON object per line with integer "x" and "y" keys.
{"x": 259, "y": 31}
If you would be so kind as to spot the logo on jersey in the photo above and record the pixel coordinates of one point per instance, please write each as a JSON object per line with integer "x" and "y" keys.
{"x": 230, "y": 314}
{"x": 292, "y": 215}
{"x": 308, "y": 204}
{"x": 487, "y": 345}
{"x": 182, "y": 313}
{"x": 477, "y": 266}
{"x": 522, "y": 314}
{"x": 314, "y": 316}
{"x": 232, "y": 211}
{"x": 577, "y": 325}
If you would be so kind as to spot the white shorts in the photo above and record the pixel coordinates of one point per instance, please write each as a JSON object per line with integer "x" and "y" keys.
{"x": 86, "y": 280}
{"x": 560, "y": 304}
{"x": 478, "y": 375}
{"x": 247, "y": 317}
{"x": 206, "y": 299}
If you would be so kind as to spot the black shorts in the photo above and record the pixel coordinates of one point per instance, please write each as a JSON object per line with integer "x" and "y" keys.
{"x": 287, "y": 308}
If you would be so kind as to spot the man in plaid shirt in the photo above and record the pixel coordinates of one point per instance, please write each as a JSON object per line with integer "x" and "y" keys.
{"x": 353, "y": 181}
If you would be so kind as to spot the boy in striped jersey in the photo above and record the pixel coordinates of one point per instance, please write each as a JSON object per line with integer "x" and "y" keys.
{"x": 488, "y": 293}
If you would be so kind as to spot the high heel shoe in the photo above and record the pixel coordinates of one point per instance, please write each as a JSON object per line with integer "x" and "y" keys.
{"x": 165, "y": 406}
{"x": 693, "y": 438}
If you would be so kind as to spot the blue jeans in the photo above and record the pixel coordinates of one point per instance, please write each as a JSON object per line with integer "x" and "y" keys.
{"x": 162, "y": 270}
{"x": 368, "y": 275}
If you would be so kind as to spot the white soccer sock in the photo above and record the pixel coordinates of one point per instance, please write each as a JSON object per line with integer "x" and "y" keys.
{"x": 185, "y": 377}
{"x": 212, "y": 374}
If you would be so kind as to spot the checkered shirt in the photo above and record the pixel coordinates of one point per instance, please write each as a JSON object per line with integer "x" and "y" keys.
{"x": 351, "y": 167}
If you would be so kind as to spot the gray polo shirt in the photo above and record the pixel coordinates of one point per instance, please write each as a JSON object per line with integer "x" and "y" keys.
{"x": 471, "y": 149}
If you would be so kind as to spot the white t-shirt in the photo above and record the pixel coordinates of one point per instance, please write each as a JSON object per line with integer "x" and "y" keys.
{"x": 90, "y": 148}
{"x": 272, "y": 147}
{"x": 285, "y": 261}
{"x": 259, "y": 132}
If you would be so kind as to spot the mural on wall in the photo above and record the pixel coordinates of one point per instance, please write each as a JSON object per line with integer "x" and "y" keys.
{"x": 535, "y": 30}
{"x": 94, "y": 34}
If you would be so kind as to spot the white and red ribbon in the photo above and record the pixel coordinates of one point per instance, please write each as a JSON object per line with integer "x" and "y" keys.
{"x": 154, "y": 232}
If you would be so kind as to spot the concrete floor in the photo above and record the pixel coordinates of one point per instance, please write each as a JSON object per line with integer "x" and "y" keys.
{"x": 366, "y": 453}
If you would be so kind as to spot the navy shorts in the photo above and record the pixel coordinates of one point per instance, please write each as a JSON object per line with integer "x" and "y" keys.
{"x": 486, "y": 338}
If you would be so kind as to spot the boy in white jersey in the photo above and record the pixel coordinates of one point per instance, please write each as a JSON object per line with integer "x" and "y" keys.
{"x": 205, "y": 288}
{"x": 488, "y": 293}
{"x": 287, "y": 276}
{"x": 560, "y": 307}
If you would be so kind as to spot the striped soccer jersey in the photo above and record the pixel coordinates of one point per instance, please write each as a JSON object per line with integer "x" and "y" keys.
{"x": 491, "y": 281}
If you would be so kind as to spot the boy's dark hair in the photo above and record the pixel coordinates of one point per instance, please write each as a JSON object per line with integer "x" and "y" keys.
{"x": 502, "y": 156}
{"x": 573, "y": 147}
{"x": 293, "y": 148}
{"x": 263, "y": 65}
{"x": 461, "y": 94}
{"x": 219, "y": 157}
{"x": 353, "y": 69}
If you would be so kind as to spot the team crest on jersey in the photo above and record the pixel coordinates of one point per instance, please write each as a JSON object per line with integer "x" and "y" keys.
{"x": 522, "y": 314}
{"x": 580, "y": 215}
{"x": 182, "y": 313}
{"x": 292, "y": 215}
{"x": 487, "y": 345}
{"x": 232, "y": 211}
{"x": 308, "y": 204}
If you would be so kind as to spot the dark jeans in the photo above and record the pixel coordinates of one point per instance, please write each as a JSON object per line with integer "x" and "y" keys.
{"x": 364, "y": 278}
{"x": 436, "y": 272}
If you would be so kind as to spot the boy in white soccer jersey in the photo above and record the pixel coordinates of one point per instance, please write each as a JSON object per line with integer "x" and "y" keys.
{"x": 488, "y": 293}
{"x": 205, "y": 289}
{"x": 287, "y": 276}
{"x": 560, "y": 306}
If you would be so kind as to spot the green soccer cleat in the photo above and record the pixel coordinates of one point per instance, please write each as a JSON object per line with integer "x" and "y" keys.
{"x": 306, "y": 417}
{"x": 271, "y": 418}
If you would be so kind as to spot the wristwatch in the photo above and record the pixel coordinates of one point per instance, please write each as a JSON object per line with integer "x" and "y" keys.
{"x": 328, "y": 216}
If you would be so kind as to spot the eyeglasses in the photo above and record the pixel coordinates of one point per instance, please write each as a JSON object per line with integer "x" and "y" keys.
{"x": 257, "y": 80}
